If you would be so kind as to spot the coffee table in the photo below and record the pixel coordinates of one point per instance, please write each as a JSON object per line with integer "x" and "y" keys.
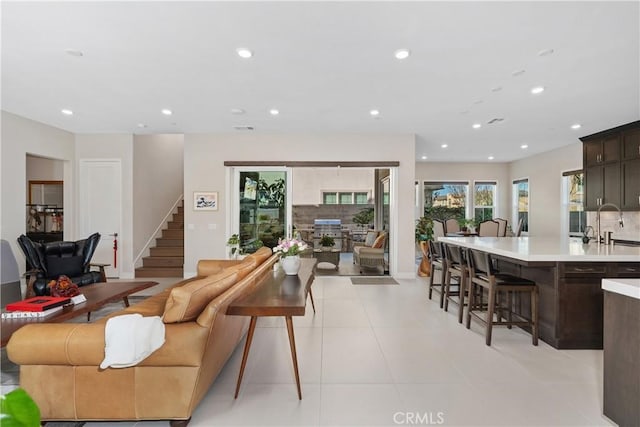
{"x": 332, "y": 256}
{"x": 97, "y": 294}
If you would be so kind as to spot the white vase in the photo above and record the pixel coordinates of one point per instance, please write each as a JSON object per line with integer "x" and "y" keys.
{"x": 290, "y": 265}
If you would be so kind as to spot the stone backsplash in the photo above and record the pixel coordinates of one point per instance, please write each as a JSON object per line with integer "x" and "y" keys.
{"x": 609, "y": 222}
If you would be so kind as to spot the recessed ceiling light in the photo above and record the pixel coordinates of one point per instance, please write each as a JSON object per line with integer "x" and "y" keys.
{"x": 524, "y": 146}
{"x": 476, "y": 126}
{"x": 576, "y": 126}
{"x": 424, "y": 157}
{"x": 167, "y": 112}
{"x": 402, "y": 53}
{"x": 444, "y": 145}
{"x": 518, "y": 73}
{"x": 244, "y": 53}
{"x": 274, "y": 112}
{"x": 66, "y": 112}
{"x": 74, "y": 52}
{"x": 545, "y": 52}
{"x": 374, "y": 113}
{"x": 538, "y": 89}
{"x": 237, "y": 111}
{"x": 142, "y": 125}
{"x": 490, "y": 157}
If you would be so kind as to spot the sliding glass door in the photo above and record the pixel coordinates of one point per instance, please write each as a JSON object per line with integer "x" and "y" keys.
{"x": 262, "y": 213}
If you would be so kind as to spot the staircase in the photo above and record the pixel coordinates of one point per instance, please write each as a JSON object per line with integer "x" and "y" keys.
{"x": 167, "y": 257}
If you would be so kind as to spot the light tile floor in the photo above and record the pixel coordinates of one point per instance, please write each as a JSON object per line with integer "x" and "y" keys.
{"x": 386, "y": 355}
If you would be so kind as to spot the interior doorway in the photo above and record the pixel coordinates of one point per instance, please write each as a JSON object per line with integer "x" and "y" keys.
{"x": 44, "y": 210}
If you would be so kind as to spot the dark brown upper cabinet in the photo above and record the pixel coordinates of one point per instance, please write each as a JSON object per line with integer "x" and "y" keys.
{"x": 631, "y": 144}
{"x": 611, "y": 161}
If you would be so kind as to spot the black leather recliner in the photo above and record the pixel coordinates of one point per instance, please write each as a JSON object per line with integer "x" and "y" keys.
{"x": 51, "y": 260}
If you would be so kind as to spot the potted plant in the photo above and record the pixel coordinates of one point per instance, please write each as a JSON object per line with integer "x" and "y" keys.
{"x": 233, "y": 243}
{"x": 327, "y": 242}
{"x": 424, "y": 229}
{"x": 424, "y": 233}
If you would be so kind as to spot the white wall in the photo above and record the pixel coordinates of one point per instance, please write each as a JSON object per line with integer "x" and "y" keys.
{"x": 310, "y": 183}
{"x": 544, "y": 172}
{"x": 114, "y": 146}
{"x": 20, "y": 137}
{"x": 157, "y": 185}
{"x": 205, "y": 154}
{"x": 43, "y": 169}
{"x": 470, "y": 172}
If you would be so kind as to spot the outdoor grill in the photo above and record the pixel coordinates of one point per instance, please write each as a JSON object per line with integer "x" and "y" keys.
{"x": 329, "y": 227}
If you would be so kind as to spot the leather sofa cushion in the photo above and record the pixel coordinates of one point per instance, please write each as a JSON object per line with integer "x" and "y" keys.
{"x": 70, "y": 266}
{"x": 260, "y": 255}
{"x": 379, "y": 241}
{"x": 186, "y": 302}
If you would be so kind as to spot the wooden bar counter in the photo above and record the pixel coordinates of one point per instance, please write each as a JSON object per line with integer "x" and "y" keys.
{"x": 568, "y": 274}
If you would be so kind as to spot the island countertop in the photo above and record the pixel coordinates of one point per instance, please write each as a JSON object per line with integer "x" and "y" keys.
{"x": 533, "y": 249}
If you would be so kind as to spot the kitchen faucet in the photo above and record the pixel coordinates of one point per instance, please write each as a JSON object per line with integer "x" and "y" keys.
{"x": 620, "y": 220}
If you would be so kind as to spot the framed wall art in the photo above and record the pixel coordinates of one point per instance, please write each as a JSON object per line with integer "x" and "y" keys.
{"x": 205, "y": 200}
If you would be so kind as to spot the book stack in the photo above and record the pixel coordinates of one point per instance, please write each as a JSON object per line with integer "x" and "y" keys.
{"x": 35, "y": 307}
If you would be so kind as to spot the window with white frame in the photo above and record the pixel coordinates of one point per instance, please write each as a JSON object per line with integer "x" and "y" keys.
{"x": 444, "y": 200}
{"x": 484, "y": 206}
{"x": 573, "y": 194}
{"x": 345, "y": 197}
{"x": 330, "y": 198}
{"x": 521, "y": 202}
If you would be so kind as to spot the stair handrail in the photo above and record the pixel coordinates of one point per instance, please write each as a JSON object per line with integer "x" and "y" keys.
{"x": 158, "y": 229}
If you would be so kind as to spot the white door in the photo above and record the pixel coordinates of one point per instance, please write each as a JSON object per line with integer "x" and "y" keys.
{"x": 100, "y": 209}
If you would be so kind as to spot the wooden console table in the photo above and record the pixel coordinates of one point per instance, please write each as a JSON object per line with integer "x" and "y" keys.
{"x": 277, "y": 295}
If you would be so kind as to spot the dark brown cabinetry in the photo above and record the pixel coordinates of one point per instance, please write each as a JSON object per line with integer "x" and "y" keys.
{"x": 611, "y": 161}
{"x": 602, "y": 150}
{"x": 603, "y": 185}
{"x": 631, "y": 144}
{"x": 631, "y": 184}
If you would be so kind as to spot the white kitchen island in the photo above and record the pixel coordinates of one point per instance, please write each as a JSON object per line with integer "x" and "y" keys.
{"x": 568, "y": 274}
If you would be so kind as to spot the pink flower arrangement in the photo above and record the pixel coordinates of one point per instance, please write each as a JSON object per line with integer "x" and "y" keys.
{"x": 289, "y": 247}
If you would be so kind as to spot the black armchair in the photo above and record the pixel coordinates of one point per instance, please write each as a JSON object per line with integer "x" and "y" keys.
{"x": 50, "y": 260}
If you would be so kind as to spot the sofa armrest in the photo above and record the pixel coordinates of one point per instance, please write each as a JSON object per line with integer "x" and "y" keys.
{"x": 103, "y": 275}
{"x": 82, "y": 344}
{"x": 366, "y": 250}
{"x": 207, "y": 267}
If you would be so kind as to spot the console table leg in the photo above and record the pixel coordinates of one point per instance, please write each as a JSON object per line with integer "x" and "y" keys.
{"x": 247, "y": 347}
{"x": 292, "y": 343}
{"x": 312, "y": 303}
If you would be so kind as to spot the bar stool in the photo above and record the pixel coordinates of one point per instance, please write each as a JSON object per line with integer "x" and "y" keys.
{"x": 482, "y": 273}
{"x": 437, "y": 262}
{"x": 456, "y": 268}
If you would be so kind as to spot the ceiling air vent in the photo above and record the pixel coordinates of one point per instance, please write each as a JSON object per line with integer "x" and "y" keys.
{"x": 243, "y": 127}
{"x": 496, "y": 120}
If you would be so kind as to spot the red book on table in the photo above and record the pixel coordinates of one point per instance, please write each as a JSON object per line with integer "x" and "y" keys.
{"x": 38, "y": 303}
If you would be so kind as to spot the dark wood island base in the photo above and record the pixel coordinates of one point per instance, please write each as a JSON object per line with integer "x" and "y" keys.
{"x": 570, "y": 298}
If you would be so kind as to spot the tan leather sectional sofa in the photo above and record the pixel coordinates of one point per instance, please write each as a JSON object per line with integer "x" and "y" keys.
{"x": 59, "y": 363}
